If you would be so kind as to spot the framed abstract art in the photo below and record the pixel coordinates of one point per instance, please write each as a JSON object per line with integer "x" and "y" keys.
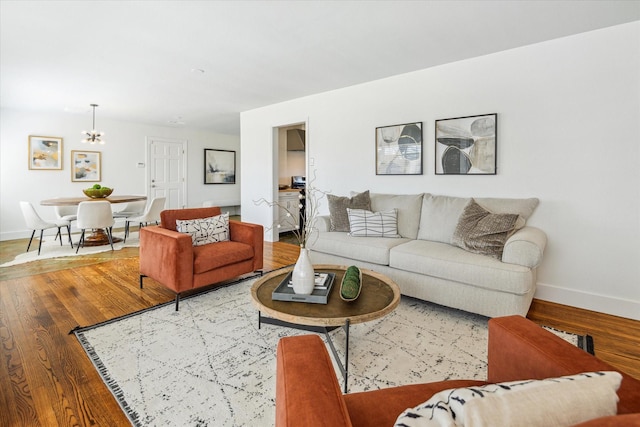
{"x": 86, "y": 166}
{"x": 45, "y": 152}
{"x": 399, "y": 149}
{"x": 219, "y": 166}
{"x": 467, "y": 145}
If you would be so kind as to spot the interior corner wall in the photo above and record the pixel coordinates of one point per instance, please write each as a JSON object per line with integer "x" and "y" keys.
{"x": 568, "y": 134}
{"x": 125, "y": 148}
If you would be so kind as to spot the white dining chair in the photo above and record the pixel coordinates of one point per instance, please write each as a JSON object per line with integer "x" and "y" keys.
{"x": 131, "y": 209}
{"x": 95, "y": 215}
{"x": 66, "y": 213}
{"x": 34, "y": 222}
{"x": 151, "y": 214}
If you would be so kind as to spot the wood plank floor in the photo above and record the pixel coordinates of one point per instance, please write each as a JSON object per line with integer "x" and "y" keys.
{"x": 47, "y": 380}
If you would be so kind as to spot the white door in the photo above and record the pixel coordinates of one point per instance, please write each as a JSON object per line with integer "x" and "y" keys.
{"x": 166, "y": 173}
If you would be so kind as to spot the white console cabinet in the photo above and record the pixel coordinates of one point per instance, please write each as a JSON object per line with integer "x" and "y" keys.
{"x": 289, "y": 202}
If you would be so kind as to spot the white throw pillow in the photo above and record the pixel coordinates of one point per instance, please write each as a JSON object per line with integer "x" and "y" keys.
{"x": 205, "y": 230}
{"x": 363, "y": 223}
{"x": 557, "y": 402}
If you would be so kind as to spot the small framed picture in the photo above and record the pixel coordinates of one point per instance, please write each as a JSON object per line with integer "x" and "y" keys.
{"x": 219, "y": 166}
{"x": 86, "y": 166}
{"x": 45, "y": 153}
{"x": 467, "y": 145}
{"x": 399, "y": 149}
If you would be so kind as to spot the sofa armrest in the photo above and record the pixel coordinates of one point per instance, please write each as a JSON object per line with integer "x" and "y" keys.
{"x": 251, "y": 234}
{"x": 323, "y": 223}
{"x": 525, "y": 247}
{"x": 520, "y": 349}
{"x": 167, "y": 256}
{"x": 307, "y": 390}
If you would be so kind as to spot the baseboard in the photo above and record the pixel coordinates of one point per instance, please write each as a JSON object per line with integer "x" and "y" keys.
{"x": 589, "y": 301}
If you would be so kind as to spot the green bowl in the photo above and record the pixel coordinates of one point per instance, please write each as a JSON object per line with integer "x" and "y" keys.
{"x": 100, "y": 193}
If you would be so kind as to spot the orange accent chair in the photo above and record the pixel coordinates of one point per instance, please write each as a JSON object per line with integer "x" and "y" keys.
{"x": 169, "y": 257}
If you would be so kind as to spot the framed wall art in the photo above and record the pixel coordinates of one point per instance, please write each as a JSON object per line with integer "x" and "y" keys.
{"x": 467, "y": 145}
{"x": 219, "y": 166}
{"x": 399, "y": 149}
{"x": 86, "y": 166}
{"x": 45, "y": 153}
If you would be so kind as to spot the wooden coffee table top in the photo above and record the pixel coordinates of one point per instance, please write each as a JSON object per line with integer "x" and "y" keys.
{"x": 379, "y": 296}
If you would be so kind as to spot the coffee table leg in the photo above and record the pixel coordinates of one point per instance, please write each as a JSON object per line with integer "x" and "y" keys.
{"x": 346, "y": 354}
{"x": 344, "y": 367}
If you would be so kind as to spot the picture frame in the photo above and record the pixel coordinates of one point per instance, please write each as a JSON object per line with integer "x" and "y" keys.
{"x": 219, "y": 166}
{"x": 467, "y": 145}
{"x": 399, "y": 149}
{"x": 86, "y": 166}
{"x": 45, "y": 152}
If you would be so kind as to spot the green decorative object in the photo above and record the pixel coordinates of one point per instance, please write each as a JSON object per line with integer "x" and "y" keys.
{"x": 98, "y": 192}
{"x": 351, "y": 284}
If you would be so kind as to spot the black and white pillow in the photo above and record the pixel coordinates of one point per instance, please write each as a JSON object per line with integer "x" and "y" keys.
{"x": 364, "y": 223}
{"x": 205, "y": 230}
{"x": 563, "y": 401}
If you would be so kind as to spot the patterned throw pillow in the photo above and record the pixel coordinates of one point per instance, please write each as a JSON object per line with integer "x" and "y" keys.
{"x": 205, "y": 230}
{"x": 338, "y": 209}
{"x": 373, "y": 224}
{"x": 557, "y": 402}
{"x": 483, "y": 232}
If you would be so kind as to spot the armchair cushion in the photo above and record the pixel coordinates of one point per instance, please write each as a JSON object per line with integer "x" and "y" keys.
{"x": 210, "y": 257}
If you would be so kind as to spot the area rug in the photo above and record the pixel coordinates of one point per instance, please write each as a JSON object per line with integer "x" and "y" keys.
{"x": 209, "y": 364}
{"x": 51, "y": 248}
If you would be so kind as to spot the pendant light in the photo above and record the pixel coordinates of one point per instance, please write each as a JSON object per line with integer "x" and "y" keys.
{"x": 94, "y": 136}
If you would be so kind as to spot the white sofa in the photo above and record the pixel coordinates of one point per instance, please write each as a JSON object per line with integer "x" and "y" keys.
{"x": 426, "y": 265}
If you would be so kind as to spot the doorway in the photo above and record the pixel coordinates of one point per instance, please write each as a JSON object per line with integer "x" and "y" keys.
{"x": 166, "y": 172}
{"x": 291, "y": 161}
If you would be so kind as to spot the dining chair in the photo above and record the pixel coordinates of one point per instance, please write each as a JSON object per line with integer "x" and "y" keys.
{"x": 66, "y": 213}
{"x": 95, "y": 215}
{"x": 151, "y": 214}
{"x": 131, "y": 209}
{"x": 34, "y": 222}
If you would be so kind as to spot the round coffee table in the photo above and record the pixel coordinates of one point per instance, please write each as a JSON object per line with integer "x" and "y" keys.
{"x": 379, "y": 296}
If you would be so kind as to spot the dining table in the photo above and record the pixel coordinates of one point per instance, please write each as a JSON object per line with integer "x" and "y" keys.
{"x": 98, "y": 237}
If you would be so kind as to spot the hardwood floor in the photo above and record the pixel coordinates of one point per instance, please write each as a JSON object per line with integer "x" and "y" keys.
{"x": 47, "y": 380}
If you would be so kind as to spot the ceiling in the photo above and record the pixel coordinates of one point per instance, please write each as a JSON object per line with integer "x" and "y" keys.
{"x": 198, "y": 64}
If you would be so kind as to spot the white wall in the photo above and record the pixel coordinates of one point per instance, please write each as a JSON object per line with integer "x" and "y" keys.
{"x": 125, "y": 147}
{"x": 568, "y": 133}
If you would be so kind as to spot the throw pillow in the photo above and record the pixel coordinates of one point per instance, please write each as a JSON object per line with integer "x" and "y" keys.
{"x": 363, "y": 223}
{"x": 205, "y": 230}
{"x": 338, "y": 209}
{"x": 557, "y": 402}
{"x": 483, "y": 232}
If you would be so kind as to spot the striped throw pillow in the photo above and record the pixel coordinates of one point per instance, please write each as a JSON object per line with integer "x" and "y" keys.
{"x": 365, "y": 223}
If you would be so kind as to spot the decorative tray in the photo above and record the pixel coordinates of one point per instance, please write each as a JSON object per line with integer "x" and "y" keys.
{"x": 320, "y": 294}
{"x": 359, "y": 286}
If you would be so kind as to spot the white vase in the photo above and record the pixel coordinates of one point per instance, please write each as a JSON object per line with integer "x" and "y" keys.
{"x": 303, "y": 276}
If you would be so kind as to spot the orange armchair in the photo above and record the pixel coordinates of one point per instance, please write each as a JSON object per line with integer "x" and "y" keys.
{"x": 169, "y": 257}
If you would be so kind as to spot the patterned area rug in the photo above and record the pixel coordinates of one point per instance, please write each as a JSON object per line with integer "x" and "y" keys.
{"x": 209, "y": 364}
{"x": 52, "y": 249}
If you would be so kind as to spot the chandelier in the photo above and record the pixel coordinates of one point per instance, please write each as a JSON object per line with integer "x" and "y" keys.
{"x": 94, "y": 136}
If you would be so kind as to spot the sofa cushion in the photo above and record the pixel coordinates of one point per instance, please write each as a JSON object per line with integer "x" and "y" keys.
{"x": 439, "y": 217}
{"x": 368, "y": 249}
{"x": 562, "y": 401}
{"x": 522, "y": 207}
{"x": 483, "y": 232}
{"x": 408, "y": 206}
{"x": 210, "y": 257}
{"x": 449, "y": 262}
{"x": 338, "y": 208}
{"x": 204, "y": 231}
{"x": 364, "y": 223}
